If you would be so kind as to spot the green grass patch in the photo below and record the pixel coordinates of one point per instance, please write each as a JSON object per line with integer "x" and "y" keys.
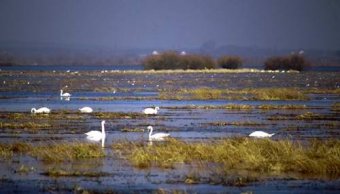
{"x": 263, "y": 155}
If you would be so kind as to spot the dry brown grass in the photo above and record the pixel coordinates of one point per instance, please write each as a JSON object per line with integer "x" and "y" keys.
{"x": 240, "y": 94}
{"x": 263, "y": 155}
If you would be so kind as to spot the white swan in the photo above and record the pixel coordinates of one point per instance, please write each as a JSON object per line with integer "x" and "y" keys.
{"x": 86, "y": 109}
{"x": 156, "y": 136}
{"x": 260, "y": 134}
{"x": 97, "y": 135}
{"x": 151, "y": 111}
{"x": 41, "y": 110}
{"x": 64, "y": 94}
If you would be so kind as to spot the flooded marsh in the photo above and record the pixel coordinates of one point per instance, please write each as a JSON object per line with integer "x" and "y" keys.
{"x": 209, "y": 114}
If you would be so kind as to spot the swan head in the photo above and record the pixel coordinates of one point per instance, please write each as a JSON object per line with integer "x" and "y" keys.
{"x": 149, "y": 128}
{"x": 103, "y": 122}
{"x": 33, "y": 110}
{"x": 156, "y": 108}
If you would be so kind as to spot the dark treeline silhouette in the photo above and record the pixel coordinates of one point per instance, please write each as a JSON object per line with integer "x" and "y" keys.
{"x": 291, "y": 62}
{"x": 230, "y": 62}
{"x": 173, "y": 60}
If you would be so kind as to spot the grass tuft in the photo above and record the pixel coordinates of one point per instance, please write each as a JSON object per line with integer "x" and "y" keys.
{"x": 262, "y": 155}
{"x": 67, "y": 152}
{"x": 278, "y": 94}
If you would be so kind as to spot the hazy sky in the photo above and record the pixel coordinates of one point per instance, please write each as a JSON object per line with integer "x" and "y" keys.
{"x": 172, "y": 24}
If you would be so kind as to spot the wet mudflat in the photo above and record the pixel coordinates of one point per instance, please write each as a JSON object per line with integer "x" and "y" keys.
{"x": 195, "y": 107}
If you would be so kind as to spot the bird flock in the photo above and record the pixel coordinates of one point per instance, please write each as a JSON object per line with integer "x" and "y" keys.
{"x": 101, "y": 135}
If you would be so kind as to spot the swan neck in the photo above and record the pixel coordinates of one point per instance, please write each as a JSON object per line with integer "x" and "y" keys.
{"x": 150, "y": 133}
{"x": 103, "y": 129}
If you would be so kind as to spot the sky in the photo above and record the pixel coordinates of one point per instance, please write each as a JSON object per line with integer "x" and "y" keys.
{"x": 173, "y": 24}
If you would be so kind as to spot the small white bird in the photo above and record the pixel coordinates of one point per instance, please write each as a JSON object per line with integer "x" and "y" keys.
{"x": 86, "y": 109}
{"x": 260, "y": 134}
{"x": 151, "y": 111}
{"x": 41, "y": 110}
{"x": 156, "y": 136}
{"x": 97, "y": 135}
{"x": 64, "y": 94}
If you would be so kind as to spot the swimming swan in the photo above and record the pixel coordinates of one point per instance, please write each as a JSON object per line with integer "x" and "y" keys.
{"x": 64, "y": 94}
{"x": 151, "y": 111}
{"x": 97, "y": 135}
{"x": 41, "y": 110}
{"x": 156, "y": 136}
{"x": 260, "y": 134}
{"x": 86, "y": 109}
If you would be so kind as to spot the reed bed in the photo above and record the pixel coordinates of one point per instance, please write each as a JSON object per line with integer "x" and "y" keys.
{"x": 53, "y": 152}
{"x": 262, "y": 155}
{"x": 233, "y": 94}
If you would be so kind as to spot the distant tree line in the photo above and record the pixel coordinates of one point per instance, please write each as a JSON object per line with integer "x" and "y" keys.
{"x": 291, "y": 62}
{"x": 174, "y": 60}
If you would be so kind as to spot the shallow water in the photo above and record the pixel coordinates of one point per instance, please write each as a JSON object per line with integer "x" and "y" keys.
{"x": 181, "y": 118}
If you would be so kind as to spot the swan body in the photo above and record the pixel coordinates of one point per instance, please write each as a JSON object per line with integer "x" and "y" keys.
{"x": 64, "y": 94}
{"x": 86, "y": 109}
{"x": 151, "y": 111}
{"x": 41, "y": 110}
{"x": 97, "y": 135}
{"x": 156, "y": 136}
{"x": 260, "y": 134}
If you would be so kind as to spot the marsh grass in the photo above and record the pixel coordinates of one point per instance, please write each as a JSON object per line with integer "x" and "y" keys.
{"x": 66, "y": 173}
{"x": 206, "y": 93}
{"x": 336, "y": 107}
{"x": 314, "y": 116}
{"x": 289, "y": 107}
{"x": 118, "y": 115}
{"x": 132, "y": 129}
{"x": 242, "y": 123}
{"x": 26, "y": 125}
{"x": 66, "y": 152}
{"x": 53, "y": 152}
{"x": 8, "y": 150}
{"x": 234, "y": 94}
{"x": 278, "y": 94}
{"x": 238, "y": 107}
{"x": 261, "y": 155}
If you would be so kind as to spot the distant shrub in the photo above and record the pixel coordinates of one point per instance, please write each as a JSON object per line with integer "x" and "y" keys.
{"x": 292, "y": 62}
{"x": 172, "y": 60}
{"x": 229, "y": 62}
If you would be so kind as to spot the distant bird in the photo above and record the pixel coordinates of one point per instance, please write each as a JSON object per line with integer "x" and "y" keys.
{"x": 64, "y": 94}
{"x": 151, "y": 111}
{"x": 156, "y": 136}
{"x": 86, "y": 109}
{"x": 260, "y": 134}
{"x": 97, "y": 135}
{"x": 41, "y": 110}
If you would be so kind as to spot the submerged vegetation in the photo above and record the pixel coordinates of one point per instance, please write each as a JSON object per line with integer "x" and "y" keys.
{"x": 263, "y": 155}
